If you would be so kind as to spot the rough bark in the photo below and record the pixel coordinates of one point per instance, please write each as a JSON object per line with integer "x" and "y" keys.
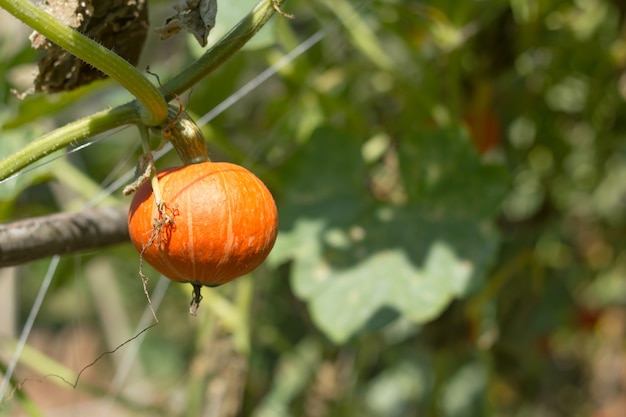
{"x": 39, "y": 237}
{"x": 119, "y": 25}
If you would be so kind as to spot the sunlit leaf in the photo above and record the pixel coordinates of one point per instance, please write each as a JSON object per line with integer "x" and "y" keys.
{"x": 354, "y": 259}
{"x": 463, "y": 393}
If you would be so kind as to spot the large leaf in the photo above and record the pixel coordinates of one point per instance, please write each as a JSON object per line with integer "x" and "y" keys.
{"x": 359, "y": 264}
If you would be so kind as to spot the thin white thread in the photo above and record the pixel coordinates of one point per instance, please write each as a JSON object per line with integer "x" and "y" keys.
{"x": 111, "y": 177}
{"x": 262, "y": 77}
{"x": 53, "y": 158}
{"x": 123, "y": 180}
{"x": 28, "y": 326}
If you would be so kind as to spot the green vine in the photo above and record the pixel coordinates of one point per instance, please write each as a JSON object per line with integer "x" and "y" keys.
{"x": 117, "y": 68}
{"x": 153, "y": 108}
{"x": 70, "y": 133}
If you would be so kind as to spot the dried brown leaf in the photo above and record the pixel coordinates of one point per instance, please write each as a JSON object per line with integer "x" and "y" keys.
{"x": 195, "y": 16}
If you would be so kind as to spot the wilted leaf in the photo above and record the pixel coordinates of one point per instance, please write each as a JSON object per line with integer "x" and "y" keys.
{"x": 195, "y": 16}
{"x": 231, "y": 12}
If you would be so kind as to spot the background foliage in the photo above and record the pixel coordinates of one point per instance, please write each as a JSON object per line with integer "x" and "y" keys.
{"x": 450, "y": 179}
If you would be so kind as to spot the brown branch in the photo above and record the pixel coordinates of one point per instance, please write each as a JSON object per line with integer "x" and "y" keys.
{"x": 38, "y": 237}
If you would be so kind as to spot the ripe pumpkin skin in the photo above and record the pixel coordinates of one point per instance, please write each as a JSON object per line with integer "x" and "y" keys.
{"x": 224, "y": 223}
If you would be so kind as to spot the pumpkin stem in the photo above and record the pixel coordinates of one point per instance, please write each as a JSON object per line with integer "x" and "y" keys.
{"x": 196, "y": 297}
{"x": 185, "y": 136}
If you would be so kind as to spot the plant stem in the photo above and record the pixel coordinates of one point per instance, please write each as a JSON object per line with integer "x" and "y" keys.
{"x": 127, "y": 113}
{"x": 222, "y": 50}
{"x": 186, "y": 137}
{"x": 154, "y": 110}
{"x": 66, "y": 135}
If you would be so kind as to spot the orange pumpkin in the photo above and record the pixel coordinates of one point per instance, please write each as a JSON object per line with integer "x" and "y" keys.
{"x": 218, "y": 222}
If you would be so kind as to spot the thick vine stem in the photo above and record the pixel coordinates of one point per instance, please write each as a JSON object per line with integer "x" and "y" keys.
{"x": 71, "y": 133}
{"x": 154, "y": 107}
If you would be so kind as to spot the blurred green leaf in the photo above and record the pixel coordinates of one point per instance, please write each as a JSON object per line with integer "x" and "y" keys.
{"x": 363, "y": 35}
{"x": 463, "y": 394}
{"x": 445, "y": 178}
{"x": 406, "y": 382}
{"x": 293, "y": 373}
{"x": 354, "y": 258}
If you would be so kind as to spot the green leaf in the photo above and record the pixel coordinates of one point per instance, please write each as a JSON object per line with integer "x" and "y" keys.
{"x": 464, "y": 393}
{"x": 409, "y": 380}
{"x": 363, "y": 35}
{"x": 356, "y": 261}
{"x": 293, "y": 374}
{"x": 444, "y": 176}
